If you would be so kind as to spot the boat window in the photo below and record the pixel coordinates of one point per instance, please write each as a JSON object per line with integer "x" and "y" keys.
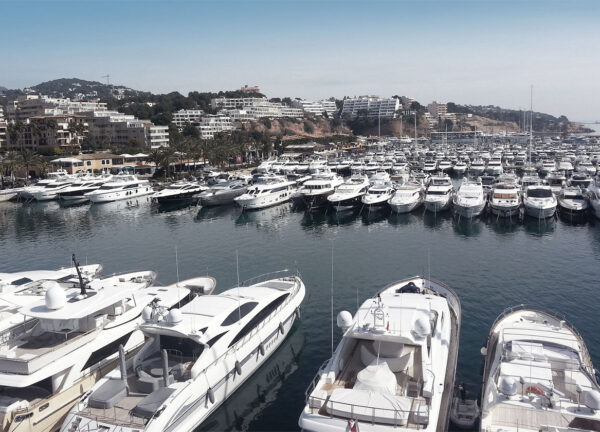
{"x": 239, "y": 313}
{"x": 264, "y": 313}
{"x": 539, "y": 193}
{"x": 181, "y": 346}
{"x": 21, "y": 281}
{"x": 435, "y": 192}
{"x": 106, "y": 187}
{"x": 105, "y": 351}
{"x": 504, "y": 196}
{"x": 214, "y": 340}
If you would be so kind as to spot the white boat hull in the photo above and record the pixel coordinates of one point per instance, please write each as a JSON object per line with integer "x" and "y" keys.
{"x": 538, "y": 212}
{"x": 120, "y": 195}
{"x": 437, "y": 206}
{"x": 505, "y": 211}
{"x": 265, "y": 201}
{"x": 404, "y": 207}
{"x": 469, "y": 211}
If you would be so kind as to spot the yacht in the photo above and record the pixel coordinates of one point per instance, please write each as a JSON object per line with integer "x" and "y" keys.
{"x": 539, "y": 201}
{"x": 469, "y": 200}
{"x": 378, "y": 195}
{"x": 314, "y": 192}
{"x": 27, "y": 191}
{"x": 477, "y": 167}
{"x": 195, "y": 357}
{"x": 460, "y": 167}
{"x": 265, "y": 167}
{"x": 580, "y": 180}
{"x": 178, "y": 191}
{"x": 120, "y": 187}
{"x": 348, "y": 195}
{"x": 222, "y": 193}
{"x": 268, "y": 191}
{"x": 494, "y": 166}
{"x": 556, "y": 180}
{"x": 572, "y": 202}
{"x": 566, "y": 166}
{"x": 587, "y": 167}
{"x": 68, "y": 340}
{"x": 445, "y": 165}
{"x": 438, "y": 195}
{"x": 51, "y": 190}
{"x": 594, "y": 198}
{"x": 9, "y": 193}
{"x": 505, "y": 199}
{"x": 394, "y": 367}
{"x": 538, "y": 376}
{"x": 430, "y": 166}
{"x": 77, "y": 190}
{"x": 547, "y": 167}
{"x": 400, "y": 172}
{"x": 407, "y": 197}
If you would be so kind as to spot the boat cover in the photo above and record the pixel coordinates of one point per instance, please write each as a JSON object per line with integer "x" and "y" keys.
{"x": 108, "y": 394}
{"x": 369, "y": 406}
{"x": 151, "y": 403}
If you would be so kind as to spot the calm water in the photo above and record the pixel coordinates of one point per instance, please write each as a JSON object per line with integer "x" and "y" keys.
{"x": 490, "y": 264}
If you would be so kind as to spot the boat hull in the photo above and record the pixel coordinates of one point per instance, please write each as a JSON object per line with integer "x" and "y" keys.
{"x": 222, "y": 198}
{"x": 539, "y": 212}
{"x": 404, "y": 207}
{"x": 505, "y": 211}
{"x": 469, "y": 211}
{"x": 264, "y": 201}
{"x": 120, "y": 195}
{"x": 437, "y": 206}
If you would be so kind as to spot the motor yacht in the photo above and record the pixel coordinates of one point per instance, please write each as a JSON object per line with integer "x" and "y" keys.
{"x": 580, "y": 180}
{"x": 445, "y": 165}
{"x": 314, "y": 192}
{"x": 566, "y": 166}
{"x": 469, "y": 201}
{"x": 51, "y": 190}
{"x": 547, "y": 167}
{"x": 400, "y": 172}
{"x": 268, "y": 191}
{"x": 265, "y": 166}
{"x": 348, "y": 195}
{"x": 222, "y": 193}
{"x": 194, "y": 358}
{"x": 594, "y": 198}
{"x": 556, "y": 180}
{"x": 494, "y": 166}
{"x": 26, "y": 192}
{"x": 505, "y": 199}
{"x": 68, "y": 340}
{"x": 572, "y": 202}
{"x": 378, "y": 195}
{"x": 539, "y": 201}
{"x": 586, "y": 167}
{"x": 477, "y": 167}
{"x": 120, "y": 187}
{"x": 407, "y": 197}
{"x": 430, "y": 166}
{"x": 538, "y": 376}
{"x": 438, "y": 196}
{"x": 460, "y": 167}
{"x": 8, "y": 194}
{"x": 77, "y": 190}
{"x": 178, "y": 191}
{"x": 395, "y": 365}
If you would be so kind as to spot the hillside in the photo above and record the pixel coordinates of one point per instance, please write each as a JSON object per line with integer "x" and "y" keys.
{"x": 292, "y": 129}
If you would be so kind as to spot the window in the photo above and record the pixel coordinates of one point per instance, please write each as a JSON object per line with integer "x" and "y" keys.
{"x": 88, "y": 163}
{"x": 264, "y": 313}
{"x": 182, "y": 346}
{"x": 106, "y": 351}
{"x": 239, "y": 313}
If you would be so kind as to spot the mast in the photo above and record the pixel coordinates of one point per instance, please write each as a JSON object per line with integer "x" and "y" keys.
{"x": 81, "y": 282}
{"x": 530, "y": 122}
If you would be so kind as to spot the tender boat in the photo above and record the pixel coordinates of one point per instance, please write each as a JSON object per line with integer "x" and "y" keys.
{"x": 394, "y": 367}
{"x": 538, "y": 376}
{"x": 407, "y": 197}
{"x": 222, "y": 193}
{"x": 195, "y": 357}
{"x": 178, "y": 191}
{"x": 438, "y": 196}
{"x": 120, "y": 187}
{"x": 348, "y": 195}
{"x": 464, "y": 412}
{"x": 268, "y": 191}
{"x": 505, "y": 199}
{"x": 470, "y": 200}
{"x": 539, "y": 202}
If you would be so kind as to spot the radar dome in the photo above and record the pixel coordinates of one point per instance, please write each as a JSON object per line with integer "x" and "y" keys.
{"x": 592, "y": 400}
{"x": 508, "y": 386}
{"x": 147, "y": 313}
{"x": 55, "y": 295}
{"x": 344, "y": 320}
{"x": 422, "y": 327}
{"x": 175, "y": 316}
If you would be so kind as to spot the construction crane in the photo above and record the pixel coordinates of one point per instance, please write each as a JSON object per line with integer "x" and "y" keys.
{"x": 107, "y": 79}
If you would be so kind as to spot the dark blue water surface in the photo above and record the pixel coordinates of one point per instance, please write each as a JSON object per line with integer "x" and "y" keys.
{"x": 491, "y": 265}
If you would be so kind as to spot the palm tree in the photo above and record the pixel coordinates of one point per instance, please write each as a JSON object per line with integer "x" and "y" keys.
{"x": 155, "y": 156}
{"x": 15, "y": 130}
{"x": 27, "y": 159}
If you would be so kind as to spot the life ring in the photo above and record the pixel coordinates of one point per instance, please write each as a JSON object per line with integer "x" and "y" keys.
{"x": 534, "y": 389}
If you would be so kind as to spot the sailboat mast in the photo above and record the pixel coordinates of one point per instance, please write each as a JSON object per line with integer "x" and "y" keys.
{"x": 530, "y": 122}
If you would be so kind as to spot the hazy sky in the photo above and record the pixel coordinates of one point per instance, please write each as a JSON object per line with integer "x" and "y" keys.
{"x": 472, "y": 52}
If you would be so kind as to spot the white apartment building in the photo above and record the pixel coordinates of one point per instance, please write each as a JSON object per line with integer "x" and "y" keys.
{"x": 256, "y": 108}
{"x": 316, "y": 108}
{"x": 214, "y": 124}
{"x": 371, "y": 106}
{"x": 115, "y": 128}
{"x": 439, "y": 111}
{"x": 239, "y": 115}
{"x": 236, "y": 103}
{"x": 183, "y": 116}
{"x": 157, "y": 136}
{"x": 33, "y": 105}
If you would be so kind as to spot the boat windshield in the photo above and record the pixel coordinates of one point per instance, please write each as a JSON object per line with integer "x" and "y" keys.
{"x": 505, "y": 196}
{"x": 539, "y": 193}
{"x": 107, "y": 187}
{"x": 437, "y": 192}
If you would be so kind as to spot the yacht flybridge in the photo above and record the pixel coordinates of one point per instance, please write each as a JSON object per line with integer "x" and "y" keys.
{"x": 538, "y": 376}
{"x": 394, "y": 368}
{"x": 195, "y": 357}
{"x": 178, "y": 191}
{"x": 314, "y": 192}
{"x": 10, "y": 282}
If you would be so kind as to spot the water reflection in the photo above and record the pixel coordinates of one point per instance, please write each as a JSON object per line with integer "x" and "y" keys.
{"x": 502, "y": 225}
{"x": 212, "y": 213}
{"x": 174, "y": 206}
{"x": 260, "y": 390}
{"x": 347, "y": 217}
{"x": 574, "y": 219}
{"x": 467, "y": 227}
{"x": 539, "y": 227}
{"x": 374, "y": 216}
{"x": 271, "y": 218}
{"x": 437, "y": 221}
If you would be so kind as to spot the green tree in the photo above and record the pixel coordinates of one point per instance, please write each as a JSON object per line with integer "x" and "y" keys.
{"x": 28, "y": 159}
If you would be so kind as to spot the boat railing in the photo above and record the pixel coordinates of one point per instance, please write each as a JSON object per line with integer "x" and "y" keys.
{"x": 266, "y": 276}
{"x": 587, "y": 359}
{"x": 16, "y": 331}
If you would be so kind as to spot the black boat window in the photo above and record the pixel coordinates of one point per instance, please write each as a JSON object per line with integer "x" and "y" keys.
{"x": 239, "y": 313}
{"x": 106, "y": 351}
{"x": 21, "y": 281}
{"x": 181, "y": 346}
{"x": 264, "y": 313}
{"x": 214, "y": 340}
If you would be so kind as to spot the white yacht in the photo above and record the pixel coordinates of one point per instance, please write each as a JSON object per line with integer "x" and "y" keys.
{"x": 477, "y": 167}
{"x": 469, "y": 200}
{"x": 460, "y": 167}
{"x": 587, "y": 167}
{"x": 539, "y": 201}
{"x": 445, "y": 165}
{"x": 68, "y": 340}
{"x": 572, "y": 202}
{"x": 494, "y": 166}
{"x": 195, "y": 357}
{"x": 378, "y": 195}
{"x": 505, "y": 199}
{"x": 407, "y": 197}
{"x": 580, "y": 180}
{"x": 178, "y": 191}
{"x": 394, "y": 367}
{"x": 547, "y": 166}
{"x": 314, "y": 192}
{"x": 27, "y": 191}
{"x": 438, "y": 196}
{"x": 76, "y": 190}
{"x": 8, "y": 194}
{"x": 538, "y": 376}
{"x": 566, "y": 166}
{"x": 51, "y": 190}
{"x": 268, "y": 191}
{"x": 430, "y": 166}
{"x": 556, "y": 180}
{"x": 222, "y": 193}
{"x": 348, "y": 195}
{"x": 400, "y": 172}
{"x": 120, "y": 187}
{"x": 594, "y": 198}
{"x": 265, "y": 166}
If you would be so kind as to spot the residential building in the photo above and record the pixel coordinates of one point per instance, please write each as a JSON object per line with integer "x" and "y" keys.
{"x": 250, "y": 89}
{"x": 3, "y": 129}
{"x": 316, "y": 108}
{"x": 407, "y": 101}
{"x": 214, "y": 124}
{"x": 157, "y": 136}
{"x": 96, "y": 162}
{"x": 371, "y": 106}
{"x": 59, "y": 131}
{"x": 183, "y": 116}
{"x": 236, "y": 103}
{"x": 34, "y": 105}
{"x": 121, "y": 130}
{"x": 439, "y": 111}
{"x": 257, "y": 108}
{"x": 239, "y": 115}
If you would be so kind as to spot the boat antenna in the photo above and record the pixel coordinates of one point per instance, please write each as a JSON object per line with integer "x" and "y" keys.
{"x": 237, "y": 269}
{"x": 81, "y": 282}
{"x": 332, "y": 247}
{"x": 177, "y": 273}
{"x": 530, "y": 122}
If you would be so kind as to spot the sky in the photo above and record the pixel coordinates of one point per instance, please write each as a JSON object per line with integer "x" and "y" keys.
{"x": 479, "y": 52}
